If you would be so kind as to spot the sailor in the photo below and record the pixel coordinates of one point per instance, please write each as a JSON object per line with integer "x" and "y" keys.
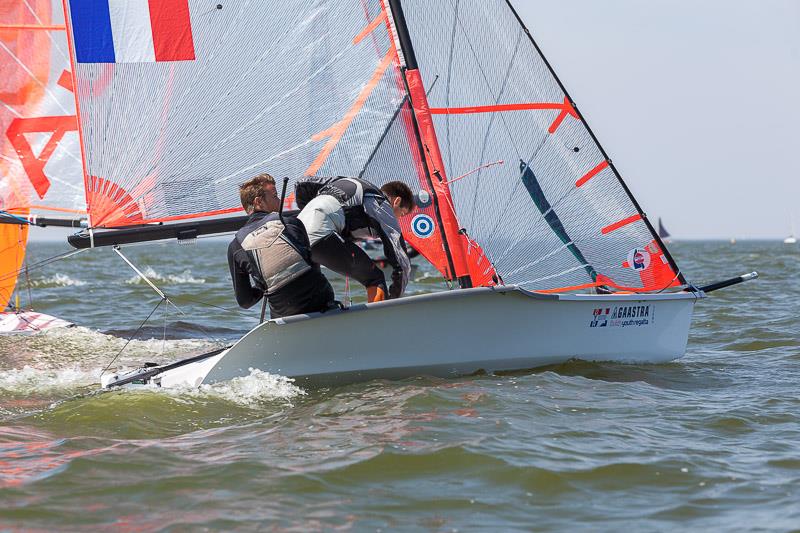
{"x": 269, "y": 259}
{"x": 336, "y": 211}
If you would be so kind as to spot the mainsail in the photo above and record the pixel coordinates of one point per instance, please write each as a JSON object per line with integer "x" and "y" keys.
{"x": 182, "y": 100}
{"x": 40, "y": 165}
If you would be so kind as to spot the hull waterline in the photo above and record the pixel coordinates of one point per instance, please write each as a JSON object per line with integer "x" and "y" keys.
{"x": 451, "y": 334}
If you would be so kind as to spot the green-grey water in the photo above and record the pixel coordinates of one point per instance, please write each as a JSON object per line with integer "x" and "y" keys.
{"x": 710, "y": 441}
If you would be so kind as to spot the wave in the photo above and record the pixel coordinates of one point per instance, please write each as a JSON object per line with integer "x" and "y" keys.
{"x": 255, "y": 389}
{"x": 57, "y": 280}
{"x": 251, "y": 391}
{"x": 29, "y": 379}
{"x": 61, "y": 348}
{"x": 184, "y": 277}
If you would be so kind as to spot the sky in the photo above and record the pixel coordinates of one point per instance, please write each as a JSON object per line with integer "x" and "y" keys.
{"x": 696, "y": 102}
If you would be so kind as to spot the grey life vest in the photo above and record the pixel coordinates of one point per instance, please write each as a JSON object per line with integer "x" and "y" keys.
{"x": 278, "y": 260}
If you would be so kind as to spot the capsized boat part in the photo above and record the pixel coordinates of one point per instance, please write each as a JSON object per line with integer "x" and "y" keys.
{"x": 29, "y": 322}
{"x": 517, "y": 204}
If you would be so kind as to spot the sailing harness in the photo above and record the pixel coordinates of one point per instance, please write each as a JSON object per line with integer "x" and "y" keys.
{"x": 278, "y": 257}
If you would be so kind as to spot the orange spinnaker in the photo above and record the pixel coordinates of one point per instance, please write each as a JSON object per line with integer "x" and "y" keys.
{"x": 13, "y": 239}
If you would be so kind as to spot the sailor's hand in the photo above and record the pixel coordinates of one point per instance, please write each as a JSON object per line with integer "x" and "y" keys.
{"x": 396, "y": 288}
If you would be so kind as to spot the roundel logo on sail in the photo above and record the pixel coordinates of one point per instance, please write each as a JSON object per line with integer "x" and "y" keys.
{"x": 422, "y": 226}
{"x": 638, "y": 259}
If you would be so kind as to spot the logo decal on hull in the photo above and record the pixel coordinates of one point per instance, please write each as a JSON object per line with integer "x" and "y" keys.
{"x": 622, "y": 316}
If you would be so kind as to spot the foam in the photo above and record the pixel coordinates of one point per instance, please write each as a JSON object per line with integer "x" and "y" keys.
{"x": 253, "y": 390}
{"x": 29, "y": 379}
{"x": 57, "y": 280}
{"x": 184, "y": 277}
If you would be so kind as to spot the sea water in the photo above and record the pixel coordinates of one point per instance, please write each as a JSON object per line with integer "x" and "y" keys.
{"x": 711, "y": 441}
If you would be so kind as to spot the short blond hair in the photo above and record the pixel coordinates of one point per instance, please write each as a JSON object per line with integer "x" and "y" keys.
{"x": 253, "y": 188}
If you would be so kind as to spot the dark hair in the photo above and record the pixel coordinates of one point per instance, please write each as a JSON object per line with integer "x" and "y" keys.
{"x": 252, "y": 189}
{"x": 400, "y": 190}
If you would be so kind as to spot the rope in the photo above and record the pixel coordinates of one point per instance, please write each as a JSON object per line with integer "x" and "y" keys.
{"x": 135, "y": 333}
{"x": 161, "y": 293}
{"x": 200, "y": 302}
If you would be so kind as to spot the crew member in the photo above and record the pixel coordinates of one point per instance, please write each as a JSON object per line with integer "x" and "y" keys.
{"x": 268, "y": 259}
{"x": 337, "y": 211}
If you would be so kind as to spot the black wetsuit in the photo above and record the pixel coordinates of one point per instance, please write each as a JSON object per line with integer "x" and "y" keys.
{"x": 367, "y": 214}
{"x": 308, "y": 293}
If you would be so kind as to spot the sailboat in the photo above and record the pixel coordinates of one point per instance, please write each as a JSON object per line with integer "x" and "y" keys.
{"x": 518, "y": 206}
{"x": 663, "y": 234}
{"x": 791, "y": 239}
{"x": 41, "y": 177}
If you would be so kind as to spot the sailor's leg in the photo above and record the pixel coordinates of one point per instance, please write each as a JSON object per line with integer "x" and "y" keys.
{"x": 348, "y": 259}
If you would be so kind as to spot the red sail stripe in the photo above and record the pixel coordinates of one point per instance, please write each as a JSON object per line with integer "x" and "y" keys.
{"x": 335, "y": 132}
{"x": 624, "y": 222}
{"x": 172, "y": 30}
{"x": 65, "y": 80}
{"x": 493, "y": 108}
{"x": 370, "y": 27}
{"x": 567, "y": 109}
{"x": 592, "y": 173}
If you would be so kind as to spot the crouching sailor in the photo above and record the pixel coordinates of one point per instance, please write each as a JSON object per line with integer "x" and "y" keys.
{"x": 335, "y": 211}
{"x": 268, "y": 259}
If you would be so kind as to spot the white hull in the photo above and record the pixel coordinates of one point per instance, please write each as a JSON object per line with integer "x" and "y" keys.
{"x": 453, "y": 333}
{"x": 28, "y": 322}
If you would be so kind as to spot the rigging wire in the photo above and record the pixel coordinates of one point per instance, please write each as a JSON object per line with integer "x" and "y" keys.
{"x": 135, "y": 333}
{"x": 40, "y": 264}
{"x": 162, "y": 294}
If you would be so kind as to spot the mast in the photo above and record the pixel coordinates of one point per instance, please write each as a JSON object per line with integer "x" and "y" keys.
{"x": 428, "y": 146}
{"x": 74, "y": 76}
{"x": 613, "y": 168}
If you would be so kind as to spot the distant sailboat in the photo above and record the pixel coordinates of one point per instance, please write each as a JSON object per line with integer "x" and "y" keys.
{"x": 791, "y": 239}
{"x": 662, "y": 232}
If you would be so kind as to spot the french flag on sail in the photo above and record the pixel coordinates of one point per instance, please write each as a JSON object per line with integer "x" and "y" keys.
{"x": 131, "y": 31}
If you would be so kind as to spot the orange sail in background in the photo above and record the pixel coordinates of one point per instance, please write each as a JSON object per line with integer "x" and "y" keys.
{"x": 12, "y": 254}
{"x": 40, "y": 165}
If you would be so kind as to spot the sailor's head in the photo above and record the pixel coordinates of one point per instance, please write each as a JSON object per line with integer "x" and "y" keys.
{"x": 259, "y": 194}
{"x": 400, "y": 197}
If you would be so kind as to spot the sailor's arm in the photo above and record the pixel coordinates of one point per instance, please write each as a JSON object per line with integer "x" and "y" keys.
{"x": 394, "y": 246}
{"x": 246, "y": 295}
